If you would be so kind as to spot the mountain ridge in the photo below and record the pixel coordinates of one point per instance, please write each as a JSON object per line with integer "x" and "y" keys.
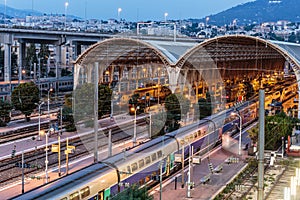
{"x": 257, "y": 12}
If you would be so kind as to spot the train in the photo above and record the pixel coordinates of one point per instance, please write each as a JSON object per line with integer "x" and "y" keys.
{"x": 140, "y": 165}
{"x": 61, "y": 84}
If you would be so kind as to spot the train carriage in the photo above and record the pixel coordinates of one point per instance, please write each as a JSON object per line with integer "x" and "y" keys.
{"x": 140, "y": 164}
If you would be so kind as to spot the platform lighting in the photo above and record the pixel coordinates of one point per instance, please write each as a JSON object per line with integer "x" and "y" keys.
{"x": 134, "y": 126}
{"x": 46, "y": 160}
{"x": 39, "y": 105}
{"x": 50, "y": 90}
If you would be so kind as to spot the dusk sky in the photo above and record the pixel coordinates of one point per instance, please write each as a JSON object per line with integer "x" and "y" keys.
{"x": 132, "y": 10}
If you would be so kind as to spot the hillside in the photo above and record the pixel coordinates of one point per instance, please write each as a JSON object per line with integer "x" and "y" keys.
{"x": 259, "y": 11}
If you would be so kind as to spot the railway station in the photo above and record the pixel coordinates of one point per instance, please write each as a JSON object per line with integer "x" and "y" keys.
{"x": 230, "y": 68}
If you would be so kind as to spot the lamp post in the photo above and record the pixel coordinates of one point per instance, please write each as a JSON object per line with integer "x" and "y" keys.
{"x": 119, "y": 11}
{"x": 134, "y": 126}
{"x": 50, "y": 90}
{"x": 206, "y": 23}
{"x": 215, "y": 128}
{"x": 240, "y": 137}
{"x": 165, "y": 15}
{"x": 23, "y": 73}
{"x": 39, "y": 70}
{"x": 39, "y": 105}
{"x": 66, "y": 7}
{"x": 46, "y": 161}
{"x": 5, "y": 13}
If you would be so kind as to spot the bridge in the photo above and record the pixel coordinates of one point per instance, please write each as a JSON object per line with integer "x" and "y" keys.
{"x": 56, "y": 38}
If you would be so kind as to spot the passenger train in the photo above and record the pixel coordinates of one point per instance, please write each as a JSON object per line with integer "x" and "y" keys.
{"x": 140, "y": 164}
{"x": 61, "y": 84}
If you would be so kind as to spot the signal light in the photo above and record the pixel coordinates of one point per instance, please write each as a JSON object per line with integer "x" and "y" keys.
{"x": 13, "y": 153}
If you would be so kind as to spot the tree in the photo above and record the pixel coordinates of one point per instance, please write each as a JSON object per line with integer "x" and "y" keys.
{"x": 5, "y": 108}
{"x": 67, "y": 116}
{"x": 276, "y": 127}
{"x": 205, "y": 108}
{"x": 84, "y": 96}
{"x": 176, "y": 106}
{"x": 133, "y": 193}
{"x": 67, "y": 113}
{"x": 158, "y": 121}
{"x": 31, "y": 57}
{"x": 104, "y": 97}
{"x": 44, "y": 55}
{"x": 253, "y": 134}
{"x": 24, "y": 97}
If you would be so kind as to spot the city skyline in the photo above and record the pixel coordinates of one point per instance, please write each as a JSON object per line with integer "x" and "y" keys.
{"x": 132, "y": 10}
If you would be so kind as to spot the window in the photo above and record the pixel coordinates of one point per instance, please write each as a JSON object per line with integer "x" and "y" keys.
{"x": 195, "y": 135}
{"x": 153, "y": 156}
{"x": 199, "y": 133}
{"x": 74, "y": 196}
{"x": 147, "y": 159}
{"x": 147, "y": 179}
{"x": 134, "y": 167}
{"x": 85, "y": 192}
{"x": 159, "y": 154}
{"x": 141, "y": 163}
{"x": 128, "y": 169}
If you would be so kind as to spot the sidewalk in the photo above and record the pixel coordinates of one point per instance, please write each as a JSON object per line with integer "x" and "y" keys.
{"x": 202, "y": 191}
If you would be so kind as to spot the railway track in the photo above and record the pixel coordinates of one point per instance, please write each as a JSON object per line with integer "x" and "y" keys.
{"x": 22, "y": 133}
{"x": 10, "y": 173}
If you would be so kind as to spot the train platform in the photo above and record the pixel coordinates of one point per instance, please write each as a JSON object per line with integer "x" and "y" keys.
{"x": 206, "y": 185}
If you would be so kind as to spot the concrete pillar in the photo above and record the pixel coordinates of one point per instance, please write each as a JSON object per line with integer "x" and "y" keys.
{"x": 22, "y": 49}
{"x": 7, "y": 62}
{"x": 197, "y": 93}
{"x": 77, "y": 50}
{"x": 59, "y": 60}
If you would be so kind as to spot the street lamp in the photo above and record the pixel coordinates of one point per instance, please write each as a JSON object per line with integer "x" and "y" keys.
{"x": 5, "y": 13}
{"x": 50, "y": 90}
{"x": 46, "y": 161}
{"x": 23, "y": 72}
{"x": 119, "y": 11}
{"x": 39, "y": 105}
{"x": 66, "y": 7}
{"x": 134, "y": 126}
{"x": 206, "y": 23}
{"x": 39, "y": 70}
{"x": 240, "y": 137}
{"x": 166, "y": 14}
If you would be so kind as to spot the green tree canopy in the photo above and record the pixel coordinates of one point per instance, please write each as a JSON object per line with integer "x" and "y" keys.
{"x": 30, "y": 57}
{"x": 24, "y": 98}
{"x": 44, "y": 55}
{"x": 205, "y": 108}
{"x": 105, "y": 97}
{"x": 276, "y": 127}
{"x": 84, "y": 101}
{"x": 5, "y": 108}
{"x": 176, "y": 106}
